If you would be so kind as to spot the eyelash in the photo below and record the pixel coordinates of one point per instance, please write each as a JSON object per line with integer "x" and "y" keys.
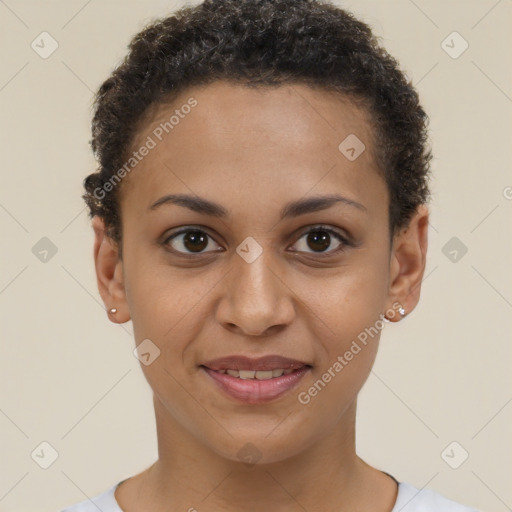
{"x": 344, "y": 242}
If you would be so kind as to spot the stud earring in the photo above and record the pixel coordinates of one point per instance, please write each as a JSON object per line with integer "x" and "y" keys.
{"x": 112, "y": 311}
{"x": 402, "y": 311}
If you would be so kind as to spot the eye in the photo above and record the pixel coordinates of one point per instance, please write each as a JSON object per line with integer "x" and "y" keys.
{"x": 319, "y": 239}
{"x": 189, "y": 239}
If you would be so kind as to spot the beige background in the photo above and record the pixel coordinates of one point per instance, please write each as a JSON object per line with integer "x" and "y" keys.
{"x": 69, "y": 376}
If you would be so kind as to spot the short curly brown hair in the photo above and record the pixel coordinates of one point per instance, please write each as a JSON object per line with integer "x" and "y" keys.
{"x": 262, "y": 43}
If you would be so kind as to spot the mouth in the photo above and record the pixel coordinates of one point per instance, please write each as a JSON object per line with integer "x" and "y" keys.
{"x": 255, "y": 381}
{"x": 256, "y": 374}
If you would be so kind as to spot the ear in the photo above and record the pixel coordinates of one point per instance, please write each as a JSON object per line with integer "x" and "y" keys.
{"x": 407, "y": 264}
{"x": 109, "y": 273}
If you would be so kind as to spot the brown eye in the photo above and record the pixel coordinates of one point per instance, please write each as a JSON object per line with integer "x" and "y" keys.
{"x": 319, "y": 239}
{"x": 189, "y": 241}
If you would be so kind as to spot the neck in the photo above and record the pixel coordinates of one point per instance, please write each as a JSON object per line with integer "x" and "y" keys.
{"x": 189, "y": 475}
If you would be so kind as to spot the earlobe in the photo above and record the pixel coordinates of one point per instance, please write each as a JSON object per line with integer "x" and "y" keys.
{"x": 109, "y": 273}
{"x": 408, "y": 261}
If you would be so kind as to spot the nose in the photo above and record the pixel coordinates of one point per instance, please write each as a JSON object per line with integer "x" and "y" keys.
{"x": 256, "y": 301}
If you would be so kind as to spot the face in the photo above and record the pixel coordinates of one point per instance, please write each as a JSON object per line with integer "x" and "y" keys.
{"x": 278, "y": 258}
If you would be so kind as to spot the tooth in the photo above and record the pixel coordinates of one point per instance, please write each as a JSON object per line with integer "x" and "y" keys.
{"x": 264, "y": 374}
{"x": 259, "y": 375}
{"x": 247, "y": 374}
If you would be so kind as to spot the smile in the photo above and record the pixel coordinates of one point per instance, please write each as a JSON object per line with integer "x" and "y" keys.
{"x": 256, "y": 387}
{"x": 259, "y": 375}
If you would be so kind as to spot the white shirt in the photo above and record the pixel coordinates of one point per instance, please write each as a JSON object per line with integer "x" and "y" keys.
{"x": 409, "y": 499}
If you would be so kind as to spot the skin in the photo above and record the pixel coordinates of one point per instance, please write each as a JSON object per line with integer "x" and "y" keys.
{"x": 252, "y": 151}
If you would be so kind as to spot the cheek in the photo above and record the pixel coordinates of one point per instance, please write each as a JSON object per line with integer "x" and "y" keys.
{"x": 347, "y": 301}
{"x": 163, "y": 306}
{"x": 170, "y": 304}
{"x": 347, "y": 325}
{"x": 155, "y": 292}
{"x": 345, "y": 310}
{"x": 170, "y": 307}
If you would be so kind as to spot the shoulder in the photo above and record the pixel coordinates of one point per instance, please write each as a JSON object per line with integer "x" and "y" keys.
{"x": 106, "y": 502}
{"x": 411, "y": 499}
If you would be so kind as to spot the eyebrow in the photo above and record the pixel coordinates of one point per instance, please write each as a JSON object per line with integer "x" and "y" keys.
{"x": 291, "y": 209}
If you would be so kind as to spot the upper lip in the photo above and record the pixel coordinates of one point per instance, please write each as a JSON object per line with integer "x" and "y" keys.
{"x": 270, "y": 362}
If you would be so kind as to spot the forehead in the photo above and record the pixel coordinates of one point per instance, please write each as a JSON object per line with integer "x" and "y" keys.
{"x": 294, "y": 111}
{"x": 286, "y": 139}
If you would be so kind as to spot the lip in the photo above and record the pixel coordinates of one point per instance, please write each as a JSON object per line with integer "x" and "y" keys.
{"x": 239, "y": 362}
{"x": 253, "y": 391}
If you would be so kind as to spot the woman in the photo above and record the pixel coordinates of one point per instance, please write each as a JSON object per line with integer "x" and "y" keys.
{"x": 260, "y": 214}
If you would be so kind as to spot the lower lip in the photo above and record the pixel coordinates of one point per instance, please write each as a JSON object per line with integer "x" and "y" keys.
{"x": 253, "y": 391}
